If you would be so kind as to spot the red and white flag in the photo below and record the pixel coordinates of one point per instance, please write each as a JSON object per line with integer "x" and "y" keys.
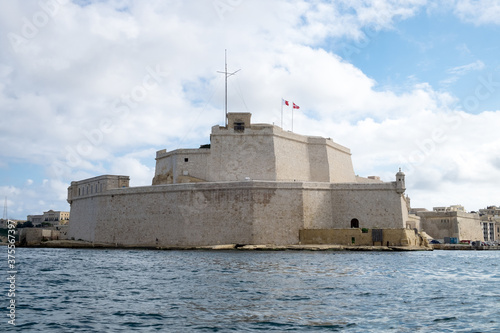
{"x": 285, "y": 102}
{"x": 295, "y": 106}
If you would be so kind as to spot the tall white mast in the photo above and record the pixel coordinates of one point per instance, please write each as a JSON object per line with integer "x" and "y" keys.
{"x": 225, "y": 90}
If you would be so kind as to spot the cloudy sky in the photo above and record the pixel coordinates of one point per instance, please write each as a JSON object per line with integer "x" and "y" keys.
{"x": 97, "y": 87}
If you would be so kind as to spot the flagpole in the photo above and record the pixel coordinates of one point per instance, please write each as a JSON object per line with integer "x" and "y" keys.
{"x": 225, "y": 88}
{"x": 292, "y": 117}
{"x": 281, "y": 112}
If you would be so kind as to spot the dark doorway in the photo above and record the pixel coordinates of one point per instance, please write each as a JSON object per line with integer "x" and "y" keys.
{"x": 354, "y": 223}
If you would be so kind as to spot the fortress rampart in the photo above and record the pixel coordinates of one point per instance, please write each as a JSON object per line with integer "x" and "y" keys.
{"x": 249, "y": 212}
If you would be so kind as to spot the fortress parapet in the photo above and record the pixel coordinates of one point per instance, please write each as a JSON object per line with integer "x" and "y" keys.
{"x": 96, "y": 185}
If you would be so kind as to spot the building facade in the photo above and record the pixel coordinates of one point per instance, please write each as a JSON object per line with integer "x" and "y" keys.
{"x": 490, "y": 223}
{"x": 450, "y": 222}
{"x": 35, "y": 219}
{"x": 49, "y": 217}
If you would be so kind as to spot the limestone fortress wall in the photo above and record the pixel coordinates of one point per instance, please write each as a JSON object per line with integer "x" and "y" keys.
{"x": 249, "y": 212}
{"x": 255, "y": 184}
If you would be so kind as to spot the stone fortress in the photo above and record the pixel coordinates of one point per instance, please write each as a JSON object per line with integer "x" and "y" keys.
{"x": 253, "y": 184}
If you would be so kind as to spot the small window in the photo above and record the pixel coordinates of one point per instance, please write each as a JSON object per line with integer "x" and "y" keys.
{"x": 239, "y": 126}
{"x": 354, "y": 223}
{"x": 186, "y": 159}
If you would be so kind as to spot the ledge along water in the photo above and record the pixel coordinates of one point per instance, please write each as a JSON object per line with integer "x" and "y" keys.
{"x": 265, "y": 247}
{"x": 240, "y": 247}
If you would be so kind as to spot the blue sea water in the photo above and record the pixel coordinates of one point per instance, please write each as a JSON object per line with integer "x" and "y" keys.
{"x": 90, "y": 290}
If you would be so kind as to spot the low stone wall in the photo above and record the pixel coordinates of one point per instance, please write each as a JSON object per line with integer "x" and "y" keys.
{"x": 34, "y": 236}
{"x": 355, "y": 236}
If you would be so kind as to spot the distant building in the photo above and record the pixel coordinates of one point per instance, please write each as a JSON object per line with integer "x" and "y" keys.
{"x": 35, "y": 219}
{"x": 4, "y": 224}
{"x": 490, "y": 211}
{"x": 452, "y": 208}
{"x": 450, "y": 222}
{"x": 51, "y": 216}
{"x": 490, "y": 223}
{"x": 56, "y": 217}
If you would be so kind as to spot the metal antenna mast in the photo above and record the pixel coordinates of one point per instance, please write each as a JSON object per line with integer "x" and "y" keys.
{"x": 5, "y": 217}
{"x": 226, "y": 74}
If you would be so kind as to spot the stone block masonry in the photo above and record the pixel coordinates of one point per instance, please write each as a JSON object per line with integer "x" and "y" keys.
{"x": 249, "y": 212}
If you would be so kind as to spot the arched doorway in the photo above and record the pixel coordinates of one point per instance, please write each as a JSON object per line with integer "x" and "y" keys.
{"x": 354, "y": 223}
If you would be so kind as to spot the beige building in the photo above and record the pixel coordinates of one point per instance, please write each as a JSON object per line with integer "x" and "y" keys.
{"x": 254, "y": 184}
{"x": 51, "y": 216}
{"x": 35, "y": 219}
{"x": 490, "y": 223}
{"x": 452, "y": 208}
{"x": 4, "y": 224}
{"x": 56, "y": 217}
{"x": 450, "y": 222}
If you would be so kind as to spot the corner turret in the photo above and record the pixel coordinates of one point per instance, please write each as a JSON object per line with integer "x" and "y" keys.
{"x": 400, "y": 182}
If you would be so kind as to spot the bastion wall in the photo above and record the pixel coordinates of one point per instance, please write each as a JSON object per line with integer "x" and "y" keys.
{"x": 372, "y": 205}
{"x": 249, "y": 212}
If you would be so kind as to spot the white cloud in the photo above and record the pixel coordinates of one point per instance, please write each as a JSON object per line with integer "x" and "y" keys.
{"x": 9, "y": 191}
{"x": 464, "y": 69}
{"x": 130, "y": 165}
{"x": 478, "y": 12}
{"x": 459, "y": 71}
